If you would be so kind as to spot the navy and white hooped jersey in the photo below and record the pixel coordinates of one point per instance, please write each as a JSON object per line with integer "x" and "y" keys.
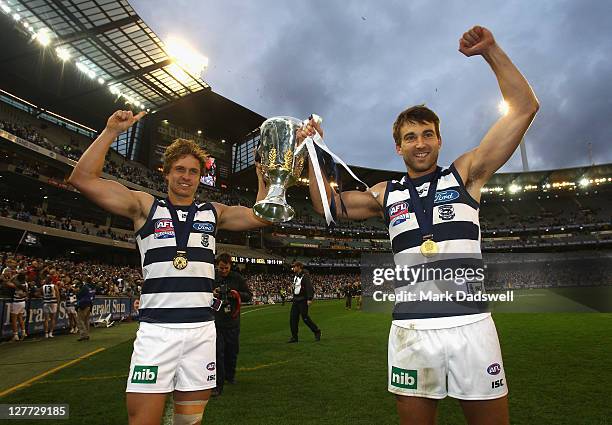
{"x": 48, "y": 291}
{"x": 71, "y": 299}
{"x": 20, "y": 295}
{"x": 171, "y": 297}
{"x": 456, "y": 230}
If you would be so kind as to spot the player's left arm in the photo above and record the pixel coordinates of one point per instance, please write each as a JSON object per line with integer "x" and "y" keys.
{"x": 239, "y": 218}
{"x": 502, "y": 139}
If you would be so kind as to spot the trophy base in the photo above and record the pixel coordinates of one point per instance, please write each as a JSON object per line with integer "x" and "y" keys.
{"x": 275, "y": 212}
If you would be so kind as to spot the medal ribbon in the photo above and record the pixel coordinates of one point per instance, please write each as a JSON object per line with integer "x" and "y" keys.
{"x": 182, "y": 238}
{"x": 424, "y": 210}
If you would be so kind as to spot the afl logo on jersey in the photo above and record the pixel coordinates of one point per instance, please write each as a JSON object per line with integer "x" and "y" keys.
{"x": 446, "y": 212}
{"x": 164, "y": 228}
{"x": 446, "y": 196}
{"x": 398, "y": 213}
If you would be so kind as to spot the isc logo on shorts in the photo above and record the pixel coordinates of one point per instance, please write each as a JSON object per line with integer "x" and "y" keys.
{"x": 164, "y": 229}
{"x": 398, "y": 213}
{"x": 144, "y": 375}
{"x": 404, "y": 378}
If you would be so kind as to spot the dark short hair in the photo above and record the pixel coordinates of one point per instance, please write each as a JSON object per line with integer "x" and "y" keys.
{"x": 298, "y": 263}
{"x": 224, "y": 258}
{"x": 415, "y": 114}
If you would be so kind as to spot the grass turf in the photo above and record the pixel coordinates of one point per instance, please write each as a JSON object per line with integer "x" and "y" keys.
{"x": 557, "y": 366}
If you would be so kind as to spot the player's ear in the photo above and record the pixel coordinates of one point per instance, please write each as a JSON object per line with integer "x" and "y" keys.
{"x": 398, "y": 149}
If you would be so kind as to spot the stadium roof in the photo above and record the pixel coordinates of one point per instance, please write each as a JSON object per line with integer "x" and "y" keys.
{"x": 84, "y": 59}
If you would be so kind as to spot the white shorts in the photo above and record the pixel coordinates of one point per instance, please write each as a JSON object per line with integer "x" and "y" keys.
{"x": 168, "y": 359}
{"x": 463, "y": 362}
{"x": 18, "y": 308}
{"x": 71, "y": 310}
{"x": 49, "y": 309}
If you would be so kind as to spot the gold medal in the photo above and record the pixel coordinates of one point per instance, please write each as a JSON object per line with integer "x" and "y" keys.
{"x": 429, "y": 248}
{"x": 180, "y": 260}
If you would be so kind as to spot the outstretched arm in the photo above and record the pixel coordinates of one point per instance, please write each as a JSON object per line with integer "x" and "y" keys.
{"x": 238, "y": 218}
{"x": 108, "y": 194}
{"x": 502, "y": 139}
{"x": 359, "y": 205}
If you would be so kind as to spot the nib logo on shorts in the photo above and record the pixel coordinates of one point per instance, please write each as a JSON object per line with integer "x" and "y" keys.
{"x": 404, "y": 378}
{"x": 144, "y": 375}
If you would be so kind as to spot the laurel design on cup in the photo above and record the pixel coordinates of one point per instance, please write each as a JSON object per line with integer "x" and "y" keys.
{"x": 288, "y": 159}
{"x": 272, "y": 158}
{"x": 299, "y": 166}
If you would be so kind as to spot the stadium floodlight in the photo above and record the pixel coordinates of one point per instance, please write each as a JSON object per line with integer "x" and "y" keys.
{"x": 16, "y": 17}
{"x": 503, "y": 107}
{"x": 101, "y": 80}
{"x": 62, "y": 53}
{"x": 43, "y": 37}
{"x": 513, "y": 188}
{"x": 584, "y": 182}
{"x": 185, "y": 56}
{"x": 114, "y": 90}
{"x": 6, "y": 8}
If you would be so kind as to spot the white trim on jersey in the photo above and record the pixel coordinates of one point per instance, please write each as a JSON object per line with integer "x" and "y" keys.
{"x": 176, "y": 300}
{"x": 165, "y": 269}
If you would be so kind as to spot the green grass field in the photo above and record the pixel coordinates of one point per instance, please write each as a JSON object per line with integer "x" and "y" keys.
{"x": 558, "y": 368}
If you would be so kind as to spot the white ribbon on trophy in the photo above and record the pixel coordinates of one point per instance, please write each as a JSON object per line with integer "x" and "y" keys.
{"x": 317, "y": 140}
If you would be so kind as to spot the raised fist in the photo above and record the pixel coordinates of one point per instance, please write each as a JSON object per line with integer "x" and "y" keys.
{"x": 122, "y": 120}
{"x": 476, "y": 41}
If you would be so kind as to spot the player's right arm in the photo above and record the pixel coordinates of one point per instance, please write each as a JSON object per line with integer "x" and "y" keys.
{"x": 359, "y": 205}
{"x": 108, "y": 194}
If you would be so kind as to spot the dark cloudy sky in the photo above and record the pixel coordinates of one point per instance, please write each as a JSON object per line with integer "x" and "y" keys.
{"x": 359, "y": 63}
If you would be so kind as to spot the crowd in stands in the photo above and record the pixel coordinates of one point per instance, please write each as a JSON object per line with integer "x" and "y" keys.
{"x": 593, "y": 272}
{"x": 36, "y": 215}
{"x": 113, "y": 280}
{"x": 513, "y": 217}
{"x": 106, "y": 279}
{"x": 268, "y": 286}
{"x": 127, "y": 170}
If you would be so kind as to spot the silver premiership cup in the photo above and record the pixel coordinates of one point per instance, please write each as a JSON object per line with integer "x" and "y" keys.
{"x": 281, "y": 169}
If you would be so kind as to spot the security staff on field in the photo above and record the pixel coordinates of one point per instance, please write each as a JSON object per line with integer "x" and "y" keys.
{"x": 232, "y": 290}
{"x": 303, "y": 294}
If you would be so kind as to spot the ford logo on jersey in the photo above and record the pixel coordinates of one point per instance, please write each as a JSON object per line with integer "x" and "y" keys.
{"x": 446, "y": 196}
{"x": 398, "y": 213}
{"x": 494, "y": 369}
{"x": 164, "y": 228}
{"x": 204, "y": 227}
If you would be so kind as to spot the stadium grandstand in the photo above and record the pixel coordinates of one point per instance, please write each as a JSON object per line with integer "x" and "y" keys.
{"x": 66, "y": 66}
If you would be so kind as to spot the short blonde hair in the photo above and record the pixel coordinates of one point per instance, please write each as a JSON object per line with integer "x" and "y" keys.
{"x": 180, "y": 148}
